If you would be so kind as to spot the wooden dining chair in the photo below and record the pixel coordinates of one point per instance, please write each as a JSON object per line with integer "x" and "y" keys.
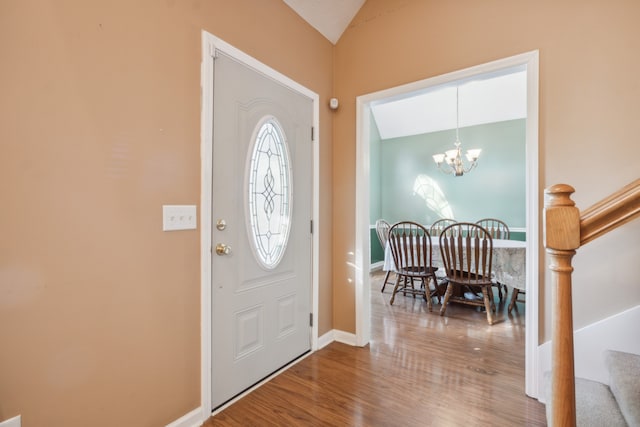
{"x": 410, "y": 245}
{"x": 437, "y": 227}
{"x": 382, "y": 230}
{"x": 498, "y": 230}
{"x": 467, "y": 254}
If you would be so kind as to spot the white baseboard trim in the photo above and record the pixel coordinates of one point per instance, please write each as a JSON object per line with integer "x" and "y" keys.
{"x": 192, "y": 419}
{"x": 376, "y": 266}
{"x": 618, "y": 332}
{"x": 325, "y": 339}
{"x": 345, "y": 337}
{"x": 12, "y": 422}
{"x": 336, "y": 335}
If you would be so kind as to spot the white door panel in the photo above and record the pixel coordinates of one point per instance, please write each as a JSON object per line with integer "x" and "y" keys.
{"x": 260, "y": 311}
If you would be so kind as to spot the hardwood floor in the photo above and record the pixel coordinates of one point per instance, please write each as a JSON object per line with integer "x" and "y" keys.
{"x": 420, "y": 369}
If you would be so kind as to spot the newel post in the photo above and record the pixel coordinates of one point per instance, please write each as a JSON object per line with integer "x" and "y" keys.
{"x": 561, "y": 239}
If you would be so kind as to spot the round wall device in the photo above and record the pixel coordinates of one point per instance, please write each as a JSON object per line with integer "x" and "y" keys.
{"x": 333, "y": 103}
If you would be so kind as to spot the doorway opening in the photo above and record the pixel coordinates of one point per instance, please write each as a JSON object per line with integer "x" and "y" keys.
{"x": 364, "y": 103}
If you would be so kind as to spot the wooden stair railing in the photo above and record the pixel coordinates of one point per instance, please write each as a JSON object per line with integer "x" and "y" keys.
{"x": 565, "y": 230}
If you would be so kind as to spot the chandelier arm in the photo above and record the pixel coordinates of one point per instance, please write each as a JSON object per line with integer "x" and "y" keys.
{"x": 470, "y": 167}
{"x": 447, "y": 170}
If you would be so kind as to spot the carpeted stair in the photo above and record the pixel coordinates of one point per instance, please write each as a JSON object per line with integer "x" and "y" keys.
{"x": 613, "y": 405}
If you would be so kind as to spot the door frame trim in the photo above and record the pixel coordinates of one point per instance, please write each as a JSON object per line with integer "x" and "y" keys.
{"x": 362, "y": 238}
{"x": 209, "y": 45}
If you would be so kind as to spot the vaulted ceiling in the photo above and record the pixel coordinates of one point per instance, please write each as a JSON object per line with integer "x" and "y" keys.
{"x": 484, "y": 99}
{"x": 329, "y": 17}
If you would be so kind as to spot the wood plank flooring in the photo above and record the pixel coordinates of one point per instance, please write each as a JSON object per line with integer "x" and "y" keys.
{"x": 420, "y": 369}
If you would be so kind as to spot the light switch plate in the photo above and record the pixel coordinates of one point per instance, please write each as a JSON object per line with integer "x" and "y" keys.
{"x": 178, "y": 217}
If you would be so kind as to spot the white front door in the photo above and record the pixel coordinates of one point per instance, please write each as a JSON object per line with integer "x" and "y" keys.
{"x": 261, "y": 236}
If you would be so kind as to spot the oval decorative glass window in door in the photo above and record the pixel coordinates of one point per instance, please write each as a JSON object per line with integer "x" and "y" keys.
{"x": 269, "y": 188}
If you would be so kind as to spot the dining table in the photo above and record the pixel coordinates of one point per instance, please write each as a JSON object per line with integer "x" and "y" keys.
{"x": 508, "y": 264}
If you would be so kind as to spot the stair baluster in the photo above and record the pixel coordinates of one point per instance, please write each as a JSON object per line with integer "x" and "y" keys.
{"x": 561, "y": 239}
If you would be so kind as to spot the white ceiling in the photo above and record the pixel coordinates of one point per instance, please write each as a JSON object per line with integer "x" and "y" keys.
{"x": 485, "y": 99}
{"x": 329, "y": 17}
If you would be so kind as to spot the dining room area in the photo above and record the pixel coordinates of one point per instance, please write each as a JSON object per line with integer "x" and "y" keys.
{"x": 453, "y": 153}
{"x": 474, "y": 264}
{"x": 471, "y": 168}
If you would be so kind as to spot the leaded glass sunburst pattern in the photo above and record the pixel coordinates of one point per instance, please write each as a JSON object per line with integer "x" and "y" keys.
{"x": 269, "y": 193}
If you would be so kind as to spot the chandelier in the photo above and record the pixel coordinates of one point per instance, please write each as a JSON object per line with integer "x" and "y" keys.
{"x": 453, "y": 158}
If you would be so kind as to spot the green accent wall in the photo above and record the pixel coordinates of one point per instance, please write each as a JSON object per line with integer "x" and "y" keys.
{"x": 517, "y": 235}
{"x": 412, "y": 187}
{"x": 407, "y": 185}
{"x": 375, "y": 173}
{"x": 377, "y": 253}
{"x": 375, "y": 195}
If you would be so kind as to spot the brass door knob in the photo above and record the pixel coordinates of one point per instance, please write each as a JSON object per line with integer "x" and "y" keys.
{"x": 222, "y": 249}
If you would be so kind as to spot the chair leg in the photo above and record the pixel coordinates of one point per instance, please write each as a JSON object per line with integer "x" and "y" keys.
{"x": 487, "y": 304}
{"x": 427, "y": 293}
{"x": 395, "y": 289}
{"x": 413, "y": 288}
{"x": 490, "y": 291}
{"x": 514, "y": 297}
{"x": 447, "y": 295}
{"x": 386, "y": 278}
{"x": 436, "y": 287}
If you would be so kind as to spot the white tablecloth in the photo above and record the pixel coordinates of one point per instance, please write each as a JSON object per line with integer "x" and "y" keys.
{"x": 508, "y": 261}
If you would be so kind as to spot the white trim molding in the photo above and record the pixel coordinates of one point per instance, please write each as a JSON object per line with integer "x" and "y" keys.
{"x": 345, "y": 337}
{"x": 336, "y": 335}
{"x": 376, "y": 266}
{"x": 528, "y": 61}
{"x": 12, "y": 422}
{"x": 326, "y": 339}
{"x": 190, "y": 419}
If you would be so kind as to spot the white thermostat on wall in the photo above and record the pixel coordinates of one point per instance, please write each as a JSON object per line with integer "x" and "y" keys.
{"x": 333, "y": 103}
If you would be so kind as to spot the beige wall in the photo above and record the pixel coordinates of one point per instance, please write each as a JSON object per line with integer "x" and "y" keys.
{"x": 100, "y": 126}
{"x": 589, "y": 109}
